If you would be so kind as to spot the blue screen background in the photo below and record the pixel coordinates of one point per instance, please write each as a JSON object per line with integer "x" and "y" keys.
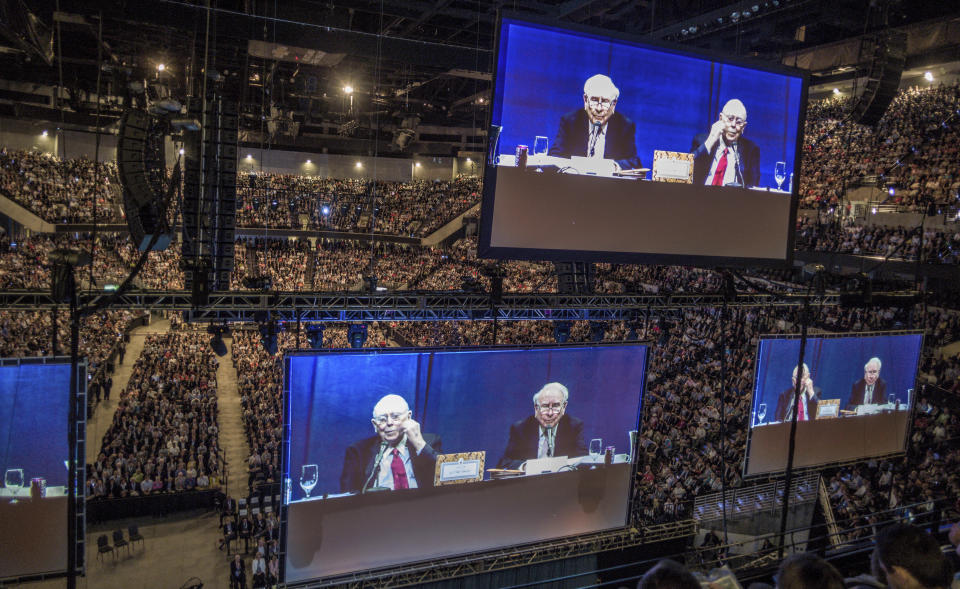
{"x": 34, "y": 408}
{"x": 835, "y": 365}
{"x": 472, "y": 399}
{"x": 670, "y": 97}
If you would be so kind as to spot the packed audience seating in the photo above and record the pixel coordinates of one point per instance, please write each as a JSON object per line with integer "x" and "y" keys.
{"x": 60, "y": 191}
{"x": 164, "y": 436}
{"x": 415, "y": 208}
{"x": 940, "y": 247}
{"x": 909, "y": 134}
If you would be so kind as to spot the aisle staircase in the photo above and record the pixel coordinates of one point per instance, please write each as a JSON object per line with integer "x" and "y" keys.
{"x": 233, "y": 438}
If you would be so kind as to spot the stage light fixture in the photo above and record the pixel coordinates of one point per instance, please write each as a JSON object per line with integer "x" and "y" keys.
{"x": 928, "y": 76}
{"x": 315, "y": 334}
{"x": 357, "y": 335}
{"x": 161, "y": 67}
{"x": 348, "y": 89}
{"x": 44, "y": 133}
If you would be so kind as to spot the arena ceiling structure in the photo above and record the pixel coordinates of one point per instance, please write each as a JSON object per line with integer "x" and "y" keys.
{"x": 391, "y": 77}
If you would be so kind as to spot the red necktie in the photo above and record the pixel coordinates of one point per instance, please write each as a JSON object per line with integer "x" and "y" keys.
{"x": 801, "y": 416}
{"x": 399, "y": 471}
{"x": 721, "y": 169}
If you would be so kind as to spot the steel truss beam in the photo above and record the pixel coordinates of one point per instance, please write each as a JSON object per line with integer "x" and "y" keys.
{"x": 451, "y": 568}
{"x": 413, "y": 306}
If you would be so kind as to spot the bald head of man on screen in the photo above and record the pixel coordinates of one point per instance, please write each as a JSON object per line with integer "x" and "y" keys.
{"x": 724, "y": 157}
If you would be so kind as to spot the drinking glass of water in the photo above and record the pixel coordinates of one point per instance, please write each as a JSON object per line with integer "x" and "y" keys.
{"x": 13, "y": 480}
{"x": 308, "y": 478}
{"x": 540, "y": 145}
{"x": 596, "y": 447}
{"x": 762, "y": 412}
{"x": 780, "y": 174}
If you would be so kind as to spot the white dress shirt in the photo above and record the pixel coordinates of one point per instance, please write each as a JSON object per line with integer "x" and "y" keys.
{"x": 385, "y": 478}
{"x": 601, "y": 141}
{"x": 730, "y": 175}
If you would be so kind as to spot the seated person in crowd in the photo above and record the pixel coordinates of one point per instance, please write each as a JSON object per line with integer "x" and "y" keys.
{"x": 906, "y": 557}
{"x": 398, "y": 456}
{"x": 548, "y": 432}
{"x": 667, "y": 574}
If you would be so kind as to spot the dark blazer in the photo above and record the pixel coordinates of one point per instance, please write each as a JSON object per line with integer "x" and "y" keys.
{"x": 525, "y": 441}
{"x": 358, "y": 463}
{"x": 573, "y": 137}
{"x": 859, "y": 390}
{"x": 785, "y": 398}
{"x": 749, "y": 169}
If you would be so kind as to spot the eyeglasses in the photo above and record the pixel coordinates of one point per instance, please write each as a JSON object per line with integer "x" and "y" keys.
{"x": 554, "y": 407}
{"x": 598, "y": 101}
{"x": 395, "y": 417}
{"x": 734, "y": 119}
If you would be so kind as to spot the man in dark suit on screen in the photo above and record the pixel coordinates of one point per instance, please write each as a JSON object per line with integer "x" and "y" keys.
{"x": 548, "y": 432}
{"x": 724, "y": 157}
{"x": 809, "y": 399}
{"x": 597, "y": 131}
{"x": 399, "y": 456}
{"x": 870, "y": 389}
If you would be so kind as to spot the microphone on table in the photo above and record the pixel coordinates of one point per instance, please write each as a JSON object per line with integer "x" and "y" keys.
{"x": 376, "y": 466}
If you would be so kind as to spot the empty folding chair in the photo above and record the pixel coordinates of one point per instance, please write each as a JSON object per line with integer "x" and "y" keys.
{"x": 103, "y": 545}
{"x": 118, "y": 540}
{"x": 133, "y": 532}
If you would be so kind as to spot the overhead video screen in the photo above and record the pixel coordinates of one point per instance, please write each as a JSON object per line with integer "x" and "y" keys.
{"x": 401, "y": 452}
{"x": 34, "y": 410}
{"x": 856, "y": 397}
{"x": 611, "y": 150}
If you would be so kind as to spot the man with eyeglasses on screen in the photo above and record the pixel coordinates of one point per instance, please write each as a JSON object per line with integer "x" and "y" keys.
{"x": 548, "y": 432}
{"x": 397, "y": 457}
{"x": 724, "y": 157}
{"x": 598, "y": 131}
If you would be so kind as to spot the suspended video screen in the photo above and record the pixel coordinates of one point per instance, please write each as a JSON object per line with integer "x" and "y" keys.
{"x": 856, "y": 397}
{"x": 412, "y": 455}
{"x": 608, "y": 149}
{"x": 34, "y": 413}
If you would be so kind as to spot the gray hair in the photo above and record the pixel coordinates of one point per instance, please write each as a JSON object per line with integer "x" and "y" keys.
{"x": 601, "y": 85}
{"x": 873, "y": 360}
{"x": 806, "y": 370}
{"x": 552, "y": 386}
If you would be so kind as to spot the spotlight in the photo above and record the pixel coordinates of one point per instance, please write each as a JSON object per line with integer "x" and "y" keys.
{"x": 416, "y": 165}
{"x": 325, "y": 210}
{"x": 309, "y": 161}
{"x": 359, "y": 164}
{"x": 836, "y": 90}
{"x": 44, "y": 133}
{"x": 891, "y": 191}
{"x": 161, "y": 67}
{"x": 249, "y": 156}
{"x": 928, "y": 76}
{"x": 735, "y": 16}
{"x": 348, "y": 89}
{"x": 182, "y": 151}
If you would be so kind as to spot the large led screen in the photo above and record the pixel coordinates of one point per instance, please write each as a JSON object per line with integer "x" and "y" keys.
{"x": 856, "y": 390}
{"x": 611, "y": 150}
{"x": 34, "y": 411}
{"x": 405, "y": 456}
